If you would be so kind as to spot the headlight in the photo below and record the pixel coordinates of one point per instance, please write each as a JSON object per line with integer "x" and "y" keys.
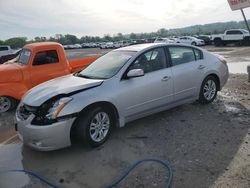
{"x": 57, "y": 107}
{"x": 48, "y": 112}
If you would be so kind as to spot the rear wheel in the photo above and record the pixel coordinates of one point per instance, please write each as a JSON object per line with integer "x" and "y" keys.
{"x": 217, "y": 42}
{"x": 209, "y": 89}
{"x": 246, "y": 41}
{"x": 94, "y": 126}
{"x": 7, "y": 103}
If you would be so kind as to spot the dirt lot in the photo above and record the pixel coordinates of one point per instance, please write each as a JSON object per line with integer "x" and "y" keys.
{"x": 207, "y": 146}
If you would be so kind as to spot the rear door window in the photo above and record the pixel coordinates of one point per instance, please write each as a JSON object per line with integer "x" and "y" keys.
{"x": 181, "y": 55}
{"x": 46, "y": 57}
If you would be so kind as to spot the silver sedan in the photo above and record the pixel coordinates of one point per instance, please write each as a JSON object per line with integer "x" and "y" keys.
{"x": 119, "y": 87}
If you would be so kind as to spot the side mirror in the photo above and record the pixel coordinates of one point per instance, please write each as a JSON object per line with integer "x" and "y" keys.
{"x": 135, "y": 73}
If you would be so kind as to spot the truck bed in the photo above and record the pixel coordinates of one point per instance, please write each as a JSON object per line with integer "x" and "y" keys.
{"x": 79, "y": 64}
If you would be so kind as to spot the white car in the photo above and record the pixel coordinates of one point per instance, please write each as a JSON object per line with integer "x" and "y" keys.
{"x": 237, "y": 36}
{"x": 5, "y": 50}
{"x": 118, "y": 44}
{"x": 107, "y": 45}
{"x": 164, "y": 40}
{"x": 190, "y": 41}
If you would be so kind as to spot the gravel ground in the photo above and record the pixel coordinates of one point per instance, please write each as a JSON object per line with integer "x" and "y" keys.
{"x": 207, "y": 146}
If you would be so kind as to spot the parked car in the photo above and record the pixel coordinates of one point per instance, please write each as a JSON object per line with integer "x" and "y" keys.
{"x": 190, "y": 40}
{"x": 121, "y": 86}
{"x": 118, "y": 44}
{"x": 6, "y": 50}
{"x": 77, "y": 46}
{"x": 164, "y": 40}
{"x": 107, "y": 45}
{"x": 206, "y": 38}
{"x": 36, "y": 63}
{"x": 235, "y": 36}
{"x": 8, "y": 57}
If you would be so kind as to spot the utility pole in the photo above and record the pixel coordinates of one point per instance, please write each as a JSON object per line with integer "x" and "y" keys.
{"x": 244, "y": 16}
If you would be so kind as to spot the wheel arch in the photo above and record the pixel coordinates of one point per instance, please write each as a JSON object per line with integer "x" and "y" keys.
{"x": 216, "y": 77}
{"x": 13, "y": 90}
{"x": 105, "y": 104}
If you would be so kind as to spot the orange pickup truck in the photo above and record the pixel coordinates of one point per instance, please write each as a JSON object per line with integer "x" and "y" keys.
{"x": 36, "y": 63}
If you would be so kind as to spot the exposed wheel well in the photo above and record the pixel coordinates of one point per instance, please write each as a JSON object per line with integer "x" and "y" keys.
{"x": 218, "y": 39}
{"x": 105, "y": 104}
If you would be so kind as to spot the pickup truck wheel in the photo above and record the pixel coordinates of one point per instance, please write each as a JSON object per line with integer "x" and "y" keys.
{"x": 94, "y": 126}
{"x": 208, "y": 90}
{"x": 6, "y": 104}
{"x": 217, "y": 42}
{"x": 246, "y": 41}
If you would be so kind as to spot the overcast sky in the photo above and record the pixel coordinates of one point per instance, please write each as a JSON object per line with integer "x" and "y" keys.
{"x": 32, "y": 18}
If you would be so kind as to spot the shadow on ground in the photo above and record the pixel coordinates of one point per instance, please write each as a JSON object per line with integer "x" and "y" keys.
{"x": 199, "y": 141}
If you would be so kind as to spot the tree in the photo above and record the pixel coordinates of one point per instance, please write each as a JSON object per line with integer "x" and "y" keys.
{"x": 71, "y": 39}
{"x": 40, "y": 39}
{"x": 162, "y": 32}
{"x": 107, "y": 37}
{"x": 17, "y": 42}
{"x": 132, "y": 36}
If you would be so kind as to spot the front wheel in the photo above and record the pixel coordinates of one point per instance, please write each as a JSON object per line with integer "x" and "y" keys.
{"x": 194, "y": 44}
{"x": 209, "y": 89}
{"x": 94, "y": 126}
{"x": 7, "y": 103}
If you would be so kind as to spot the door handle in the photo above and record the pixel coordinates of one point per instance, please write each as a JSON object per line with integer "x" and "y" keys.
{"x": 201, "y": 67}
{"x": 165, "y": 78}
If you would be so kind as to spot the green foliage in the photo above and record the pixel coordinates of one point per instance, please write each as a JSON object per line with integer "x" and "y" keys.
{"x": 17, "y": 42}
{"x": 206, "y": 29}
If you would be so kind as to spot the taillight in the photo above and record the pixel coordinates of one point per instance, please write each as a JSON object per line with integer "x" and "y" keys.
{"x": 222, "y": 59}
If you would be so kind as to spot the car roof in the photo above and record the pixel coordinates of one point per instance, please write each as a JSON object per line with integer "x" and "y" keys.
{"x": 141, "y": 47}
{"x": 38, "y": 45}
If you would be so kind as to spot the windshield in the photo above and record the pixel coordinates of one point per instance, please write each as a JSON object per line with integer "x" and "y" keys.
{"x": 24, "y": 56}
{"x": 107, "y": 66}
{"x": 245, "y": 31}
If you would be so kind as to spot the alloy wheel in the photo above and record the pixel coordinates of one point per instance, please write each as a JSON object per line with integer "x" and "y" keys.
{"x": 209, "y": 90}
{"x": 99, "y": 126}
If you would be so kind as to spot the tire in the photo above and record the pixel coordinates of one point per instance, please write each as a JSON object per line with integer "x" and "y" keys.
{"x": 87, "y": 125}
{"x": 208, "y": 90}
{"x": 7, "y": 104}
{"x": 193, "y": 44}
{"x": 217, "y": 42}
{"x": 246, "y": 41}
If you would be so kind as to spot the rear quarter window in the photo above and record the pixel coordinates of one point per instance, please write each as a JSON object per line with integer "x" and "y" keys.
{"x": 198, "y": 54}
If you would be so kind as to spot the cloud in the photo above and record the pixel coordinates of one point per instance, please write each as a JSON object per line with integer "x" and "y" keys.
{"x": 91, "y": 17}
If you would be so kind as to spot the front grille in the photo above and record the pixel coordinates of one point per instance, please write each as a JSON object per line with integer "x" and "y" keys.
{"x": 25, "y": 111}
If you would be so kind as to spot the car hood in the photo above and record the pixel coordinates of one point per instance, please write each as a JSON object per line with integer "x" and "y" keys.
{"x": 63, "y": 85}
{"x": 10, "y": 73}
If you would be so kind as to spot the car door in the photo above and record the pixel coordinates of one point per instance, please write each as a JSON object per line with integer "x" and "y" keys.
{"x": 153, "y": 90}
{"x": 234, "y": 35}
{"x": 183, "y": 40}
{"x": 188, "y": 70}
{"x": 45, "y": 66}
